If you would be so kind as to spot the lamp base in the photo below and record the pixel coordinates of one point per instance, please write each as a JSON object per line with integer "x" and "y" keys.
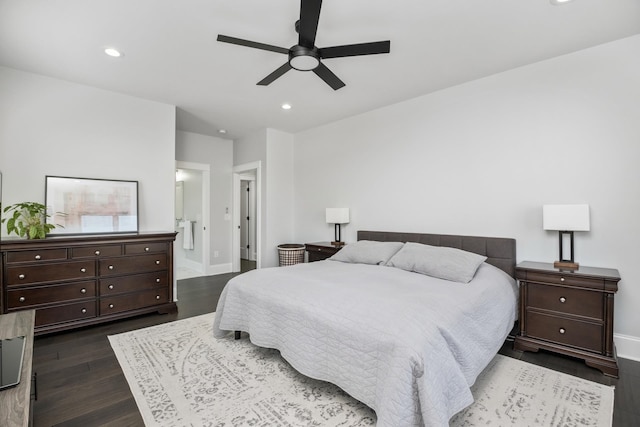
{"x": 337, "y": 244}
{"x": 566, "y": 265}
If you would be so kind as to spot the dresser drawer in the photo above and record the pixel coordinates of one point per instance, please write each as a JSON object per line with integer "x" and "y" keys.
{"x": 94, "y": 251}
{"x": 51, "y": 272}
{"x": 565, "y": 279}
{"x": 118, "y": 304}
{"x": 36, "y": 255}
{"x": 133, "y": 264}
{"x": 566, "y": 300}
{"x": 138, "y": 282}
{"x": 18, "y": 299}
{"x": 66, "y": 313}
{"x": 575, "y": 333}
{"x": 143, "y": 248}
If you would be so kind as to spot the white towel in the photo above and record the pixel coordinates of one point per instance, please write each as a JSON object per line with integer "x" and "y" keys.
{"x": 187, "y": 234}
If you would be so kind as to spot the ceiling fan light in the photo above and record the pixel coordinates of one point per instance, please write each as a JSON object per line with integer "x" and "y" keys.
{"x": 304, "y": 62}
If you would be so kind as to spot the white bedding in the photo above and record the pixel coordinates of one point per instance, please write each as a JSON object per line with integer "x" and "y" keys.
{"x": 405, "y": 344}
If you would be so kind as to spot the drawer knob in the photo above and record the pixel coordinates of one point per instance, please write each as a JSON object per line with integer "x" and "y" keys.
{"x": 157, "y": 262}
{"x": 22, "y": 299}
{"x": 97, "y": 252}
{"x": 158, "y": 280}
{"x": 110, "y": 286}
{"x": 83, "y": 291}
{"x": 21, "y": 276}
{"x": 562, "y": 331}
{"x": 563, "y": 300}
{"x": 146, "y": 249}
{"x": 83, "y": 270}
{"x": 157, "y": 296}
{"x": 562, "y": 279}
{"x": 37, "y": 257}
{"x": 111, "y": 267}
{"x": 84, "y": 310}
{"x": 110, "y": 305}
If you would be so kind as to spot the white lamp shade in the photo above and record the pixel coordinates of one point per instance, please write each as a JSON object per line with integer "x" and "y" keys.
{"x": 337, "y": 215}
{"x": 565, "y": 217}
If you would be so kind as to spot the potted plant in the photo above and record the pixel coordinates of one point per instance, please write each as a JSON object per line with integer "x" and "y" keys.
{"x": 28, "y": 219}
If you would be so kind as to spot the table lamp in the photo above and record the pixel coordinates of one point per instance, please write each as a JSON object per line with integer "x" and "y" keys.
{"x": 337, "y": 216}
{"x": 565, "y": 219}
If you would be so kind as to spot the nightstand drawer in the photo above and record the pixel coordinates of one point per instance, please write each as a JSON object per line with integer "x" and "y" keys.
{"x": 565, "y": 279}
{"x": 566, "y": 300}
{"x": 565, "y": 331}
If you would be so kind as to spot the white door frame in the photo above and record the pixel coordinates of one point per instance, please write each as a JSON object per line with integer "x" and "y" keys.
{"x": 238, "y": 172}
{"x": 206, "y": 202}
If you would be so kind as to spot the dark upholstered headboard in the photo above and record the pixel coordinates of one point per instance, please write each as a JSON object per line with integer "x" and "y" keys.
{"x": 499, "y": 251}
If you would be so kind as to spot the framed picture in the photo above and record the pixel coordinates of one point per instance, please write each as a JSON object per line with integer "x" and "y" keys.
{"x": 91, "y": 206}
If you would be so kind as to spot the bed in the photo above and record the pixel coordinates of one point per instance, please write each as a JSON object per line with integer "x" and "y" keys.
{"x": 405, "y": 343}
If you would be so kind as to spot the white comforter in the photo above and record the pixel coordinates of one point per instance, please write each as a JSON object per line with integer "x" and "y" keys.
{"x": 405, "y": 344}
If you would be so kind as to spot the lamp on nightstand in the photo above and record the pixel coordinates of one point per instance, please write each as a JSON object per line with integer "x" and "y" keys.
{"x": 337, "y": 216}
{"x": 565, "y": 219}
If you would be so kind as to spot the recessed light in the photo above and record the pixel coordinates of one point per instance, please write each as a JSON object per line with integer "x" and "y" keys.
{"x": 286, "y": 106}
{"x": 113, "y": 52}
{"x": 557, "y": 2}
{"x": 222, "y": 131}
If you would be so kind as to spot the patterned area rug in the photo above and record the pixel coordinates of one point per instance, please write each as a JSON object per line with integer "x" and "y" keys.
{"x": 181, "y": 376}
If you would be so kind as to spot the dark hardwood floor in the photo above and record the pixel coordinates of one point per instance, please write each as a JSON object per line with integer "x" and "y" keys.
{"x": 80, "y": 382}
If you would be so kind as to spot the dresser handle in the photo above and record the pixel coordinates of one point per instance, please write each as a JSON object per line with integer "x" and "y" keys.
{"x": 84, "y": 310}
{"x": 97, "y": 252}
{"x": 21, "y": 276}
{"x": 157, "y": 262}
{"x": 110, "y": 286}
{"x": 157, "y": 296}
{"x": 83, "y": 291}
{"x": 563, "y": 300}
{"x": 157, "y": 280}
{"x": 37, "y": 257}
{"x": 110, "y": 305}
{"x": 83, "y": 270}
{"x": 146, "y": 249}
{"x": 562, "y": 331}
{"x": 22, "y": 299}
{"x": 111, "y": 267}
{"x": 562, "y": 279}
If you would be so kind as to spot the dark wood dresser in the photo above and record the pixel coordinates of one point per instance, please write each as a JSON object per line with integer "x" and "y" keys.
{"x": 568, "y": 312}
{"x": 321, "y": 250}
{"x": 79, "y": 281}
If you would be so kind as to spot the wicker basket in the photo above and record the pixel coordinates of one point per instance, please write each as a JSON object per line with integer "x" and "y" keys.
{"x": 290, "y": 254}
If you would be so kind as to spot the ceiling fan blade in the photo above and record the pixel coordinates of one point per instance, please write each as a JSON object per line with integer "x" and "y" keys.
{"x": 329, "y": 78}
{"x": 309, "y": 17}
{"x": 255, "y": 45}
{"x": 277, "y": 73}
{"x": 355, "y": 49}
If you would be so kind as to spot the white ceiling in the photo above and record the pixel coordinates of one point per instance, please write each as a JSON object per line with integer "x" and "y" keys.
{"x": 171, "y": 54}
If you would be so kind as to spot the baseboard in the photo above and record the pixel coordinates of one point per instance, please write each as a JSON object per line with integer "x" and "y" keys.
{"x": 627, "y": 347}
{"x": 219, "y": 269}
{"x": 190, "y": 264}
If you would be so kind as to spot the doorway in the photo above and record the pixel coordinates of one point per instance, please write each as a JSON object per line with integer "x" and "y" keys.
{"x": 247, "y": 222}
{"x": 246, "y": 217}
{"x": 191, "y": 248}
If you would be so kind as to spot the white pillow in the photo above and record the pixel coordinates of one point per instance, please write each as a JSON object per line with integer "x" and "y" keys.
{"x": 367, "y": 252}
{"x": 437, "y": 261}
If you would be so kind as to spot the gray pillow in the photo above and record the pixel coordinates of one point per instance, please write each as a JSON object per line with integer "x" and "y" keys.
{"x": 438, "y": 261}
{"x": 367, "y": 252}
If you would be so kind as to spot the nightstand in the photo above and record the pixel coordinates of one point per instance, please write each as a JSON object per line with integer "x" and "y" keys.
{"x": 568, "y": 312}
{"x": 321, "y": 250}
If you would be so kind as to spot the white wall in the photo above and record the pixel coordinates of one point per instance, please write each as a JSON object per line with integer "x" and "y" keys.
{"x": 482, "y": 158}
{"x": 274, "y": 149}
{"x": 218, "y": 154}
{"x": 53, "y": 127}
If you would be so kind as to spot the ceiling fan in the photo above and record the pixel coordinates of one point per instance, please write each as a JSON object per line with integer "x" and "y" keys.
{"x": 305, "y": 56}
